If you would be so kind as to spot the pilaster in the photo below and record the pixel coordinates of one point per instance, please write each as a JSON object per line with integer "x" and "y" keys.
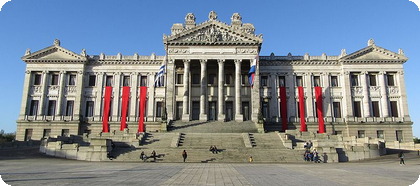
{"x": 185, "y": 100}
{"x": 366, "y": 106}
{"x": 151, "y": 97}
{"x": 79, "y": 95}
{"x": 203, "y": 90}
{"x": 347, "y": 97}
{"x": 60, "y": 100}
{"x": 133, "y": 96}
{"x": 25, "y": 104}
{"x": 403, "y": 96}
{"x": 44, "y": 87}
{"x": 309, "y": 98}
{"x": 116, "y": 97}
{"x": 384, "y": 94}
{"x": 99, "y": 96}
{"x": 220, "y": 94}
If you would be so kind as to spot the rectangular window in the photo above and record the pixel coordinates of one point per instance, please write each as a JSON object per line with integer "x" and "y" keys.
{"x": 180, "y": 79}
{"x": 89, "y": 108}
{"x": 354, "y": 80}
{"x": 196, "y": 79}
{"x": 360, "y": 133}
{"x": 33, "y": 111}
{"x": 394, "y": 108}
{"x": 228, "y": 79}
{"x": 282, "y": 81}
{"x": 334, "y": 81}
{"x": 299, "y": 81}
{"x": 28, "y": 134}
{"x": 212, "y": 79}
{"x": 143, "y": 81}
{"x": 109, "y": 80}
{"x": 37, "y": 79}
{"x": 317, "y": 81}
{"x": 337, "y": 109}
{"x": 265, "y": 109}
{"x": 399, "y": 135}
{"x": 356, "y": 109}
{"x": 372, "y": 80}
{"x": 72, "y": 79}
{"x": 46, "y": 133}
{"x": 54, "y": 79}
{"x": 69, "y": 108}
{"x": 244, "y": 79}
{"x": 92, "y": 80}
{"x": 159, "y": 107}
{"x": 65, "y": 132}
{"x": 264, "y": 81}
{"x": 375, "y": 109}
{"x": 126, "y": 81}
{"x": 391, "y": 80}
{"x": 380, "y": 134}
{"x": 51, "y": 108}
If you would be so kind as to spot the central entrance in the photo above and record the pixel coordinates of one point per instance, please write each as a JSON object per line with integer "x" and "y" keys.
{"x": 229, "y": 111}
{"x": 212, "y": 111}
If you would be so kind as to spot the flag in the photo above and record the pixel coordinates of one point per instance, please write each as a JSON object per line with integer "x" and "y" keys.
{"x": 251, "y": 72}
{"x": 159, "y": 77}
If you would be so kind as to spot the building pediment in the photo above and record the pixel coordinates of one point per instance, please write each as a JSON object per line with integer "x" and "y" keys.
{"x": 54, "y": 53}
{"x": 374, "y": 53}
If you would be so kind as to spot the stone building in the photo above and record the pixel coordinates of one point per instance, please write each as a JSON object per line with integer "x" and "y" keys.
{"x": 207, "y": 68}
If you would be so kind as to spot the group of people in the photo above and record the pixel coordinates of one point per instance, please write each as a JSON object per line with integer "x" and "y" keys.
{"x": 214, "y": 149}
{"x": 144, "y": 157}
{"x": 311, "y": 156}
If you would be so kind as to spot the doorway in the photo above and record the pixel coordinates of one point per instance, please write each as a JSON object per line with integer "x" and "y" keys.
{"x": 195, "y": 110}
{"x": 178, "y": 115}
{"x": 229, "y": 110}
{"x": 245, "y": 110}
{"x": 212, "y": 111}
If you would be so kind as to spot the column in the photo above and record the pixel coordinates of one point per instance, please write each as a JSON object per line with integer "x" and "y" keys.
{"x": 291, "y": 101}
{"x": 403, "y": 99}
{"x": 79, "y": 96}
{"x": 310, "y": 98}
{"x": 44, "y": 88}
{"x": 203, "y": 90}
{"x": 133, "y": 96}
{"x": 384, "y": 95}
{"x": 99, "y": 94}
{"x": 327, "y": 102}
{"x": 238, "y": 115}
{"x": 274, "y": 93}
{"x": 365, "y": 87}
{"x": 116, "y": 98}
{"x": 220, "y": 94}
{"x": 185, "y": 102}
{"x": 255, "y": 94}
{"x": 61, "y": 90}
{"x": 25, "y": 104}
{"x": 151, "y": 97}
{"x": 347, "y": 100}
{"x": 170, "y": 89}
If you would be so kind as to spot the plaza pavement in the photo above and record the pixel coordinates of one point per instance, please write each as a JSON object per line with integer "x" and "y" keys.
{"x": 42, "y": 170}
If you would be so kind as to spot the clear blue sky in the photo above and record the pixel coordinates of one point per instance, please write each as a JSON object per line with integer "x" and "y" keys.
{"x": 129, "y": 26}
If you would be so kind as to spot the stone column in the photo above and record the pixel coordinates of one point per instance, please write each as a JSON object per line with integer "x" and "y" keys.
{"x": 274, "y": 93}
{"x": 403, "y": 97}
{"x": 327, "y": 102}
{"x": 60, "y": 105}
{"x": 291, "y": 101}
{"x": 185, "y": 100}
{"x": 99, "y": 95}
{"x": 220, "y": 94}
{"x": 238, "y": 115}
{"x": 347, "y": 100}
{"x": 203, "y": 90}
{"x": 79, "y": 96}
{"x": 365, "y": 87}
{"x": 25, "y": 104}
{"x": 151, "y": 97}
{"x": 116, "y": 97}
{"x": 170, "y": 89}
{"x": 255, "y": 94}
{"x": 44, "y": 89}
{"x": 133, "y": 96}
{"x": 309, "y": 90}
{"x": 384, "y": 95}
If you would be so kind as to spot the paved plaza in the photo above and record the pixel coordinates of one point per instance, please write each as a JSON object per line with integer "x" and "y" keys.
{"x": 41, "y": 170}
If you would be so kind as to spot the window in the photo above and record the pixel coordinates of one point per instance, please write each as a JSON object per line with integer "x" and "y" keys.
{"x": 356, "y": 109}
{"x": 143, "y": 81}
{"x": 394, "y": 108}
{"x": 180, "y": 79}
{"x": 299, "y": 81}
{"x": 360, "y": 133}
{"x": 65, "y": 132}
{"x": 51, "y": 108}
{"x": 159, "y": 107}
{"x": 265, "y": 109}
{"x": 33, "y": 111}
{"x": 264, "y": 81}
{"x": 375, "y": 109}
{"x": 244, "y": 79}
{"x": 317, "y": 81}
{"x": 399, "y": 135}
{"x": 72, "y": 79}
{"x": 354, "y": 80}
{"x": 282, "y": 81}
{"x": 46, "y": 133}
{"x": 126, "y": 81}
{"x": 380, "y": 134}
{"x": 196, "y": 79}
{"x": 69, "y": 108}
{"x": 337, "y": 109}
{"x": 54, "y": 79}
{"x": 92, "y": 80}
{"x": 228, "y": 79}
{"x": 109, "y": 81}
{"x": 212, "y": 79}
{"x": 89, "y": 108}
{"x": 334, "y": 81}
{"x": 28, "y": 134}
{"x": 37, "y": 79}
{"x": 298, "y": 109}
{"x": 372, "y": 80}
{"x": 391, "y": 81}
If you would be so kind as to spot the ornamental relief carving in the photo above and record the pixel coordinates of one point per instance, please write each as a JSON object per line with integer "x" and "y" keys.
{"x": 393, "y": 90}
{"x": 374, "y": 88}
{"x": 178, "y": 51}
{"x": 357, "y": 90}
{"x": 35, "y": 89}
{"x": 246, "y": 51}
{"x": 211, "y": 35}
{"x": 70, "y": 90}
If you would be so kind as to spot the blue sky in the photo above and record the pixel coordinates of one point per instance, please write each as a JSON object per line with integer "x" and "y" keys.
{"x": 130, "y": 26}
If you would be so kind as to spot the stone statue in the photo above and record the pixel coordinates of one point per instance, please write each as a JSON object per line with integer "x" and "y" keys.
{"x": 83, "y": 53}
{"x": 236, "y": 17}
{"x": 56, "y": 42}
{"x": 371, "y": 42}
{"x": 190, "y": 17}
{"x": 401, "y": 52}
{"x": 212, "y": 15}
{"x": 28, "y": 52}
{"x": 343, "y": 52}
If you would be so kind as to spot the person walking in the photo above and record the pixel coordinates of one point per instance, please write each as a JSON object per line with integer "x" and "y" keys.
{"x": 401, "y": 156}
{"x": 184, "y": 155}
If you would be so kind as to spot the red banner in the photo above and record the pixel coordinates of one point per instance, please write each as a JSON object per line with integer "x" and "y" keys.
{"x": 124, "y": 107}
{"x": 318, "y": 97}
{"x": 302, "y": 109}
{"x": 107, "y": 105}
{"x": 142, "y": 109}
{"x": 283, "y": 107}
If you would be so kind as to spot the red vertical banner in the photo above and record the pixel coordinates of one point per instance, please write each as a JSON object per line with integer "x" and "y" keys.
{"x": 142, "y": 109}
{"x": 302, "y": 109}
{"x": 318, "y": 97}
{"x": 283, "y": 107}
{"x": 124, "y": 107}
{"x": 107, "y": 105}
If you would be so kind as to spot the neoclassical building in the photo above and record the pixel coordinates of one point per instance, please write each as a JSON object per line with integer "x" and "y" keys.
{"x": 206, "y": 73}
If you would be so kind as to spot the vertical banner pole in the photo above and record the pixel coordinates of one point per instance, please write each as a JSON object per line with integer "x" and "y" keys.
{"x": 124, "y": 107}
{"x": 142, "y": 109}
{"x": 283, "y": 108}
{"x": 318, "y": 96}
{"x": 107, "y": 104}
{"x": 302, "y": 110}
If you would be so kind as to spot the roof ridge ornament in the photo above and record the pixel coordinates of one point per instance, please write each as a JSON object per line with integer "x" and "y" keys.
{"x": 28, "y": 52}
{"x": 190, "y": 20}
{"x": 401, "y": 52}
{"x": 343, "y": 52}
{"x": 212, "y": 15}
{"x": 371, "y": 42}
{"x": 56, "y": 42}
{"x": 236, "y": 20}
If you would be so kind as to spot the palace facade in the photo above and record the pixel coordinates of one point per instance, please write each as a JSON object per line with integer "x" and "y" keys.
{"x": 206, "y": 77}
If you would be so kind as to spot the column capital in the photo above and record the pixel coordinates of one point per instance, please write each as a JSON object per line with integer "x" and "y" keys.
{"x": 346, "y": 72}
{"x": 80, "y": 72}
{"x": 117, "y": 73}
{"x": 186, "y": 60}
{"x": 238, "y": 61}
{"x": 27, "y": 72}
{"x": 221, "y": 61}
{"x": 45, "y": 72}
{"x": 381, "y": 73}
{"x": 401, "y": 72}
{"x": 203, "y": 61}
{"x": 363, "y": 72}
{"x": 99, "y": 73}
{"x": 62, "y": 72}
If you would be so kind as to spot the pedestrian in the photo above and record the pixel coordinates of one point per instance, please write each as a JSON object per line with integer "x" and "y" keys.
{"x": 154, "y": 155}
{"x": 184, "y": 155}
{"x": 143, "y": 156}
{"x": 401, "y": 156}
{"x": 250, "y": 159}
{"x": 316, "y": 156}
